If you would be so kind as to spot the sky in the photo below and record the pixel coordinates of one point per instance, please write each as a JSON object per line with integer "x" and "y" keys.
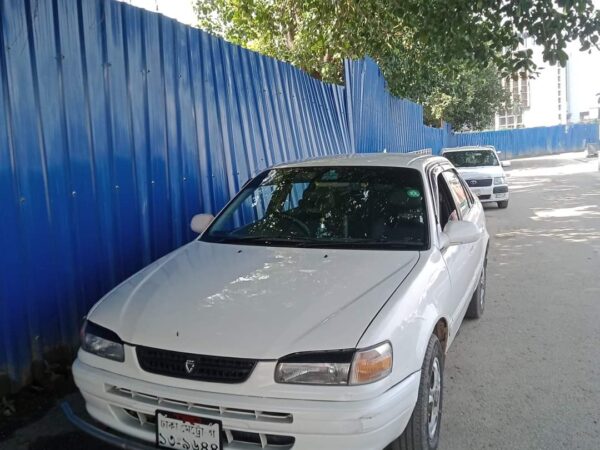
{"x": 181, "y": 10}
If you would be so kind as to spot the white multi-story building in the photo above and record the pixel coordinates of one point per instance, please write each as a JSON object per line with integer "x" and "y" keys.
{"x": 584, "y": 85}
{"x": 557, "y": 95}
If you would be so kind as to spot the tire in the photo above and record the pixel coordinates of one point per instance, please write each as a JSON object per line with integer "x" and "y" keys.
{"x": 477, "y": 305}
{"x": 419, "y": 434}
{"x": 503, "y": 204}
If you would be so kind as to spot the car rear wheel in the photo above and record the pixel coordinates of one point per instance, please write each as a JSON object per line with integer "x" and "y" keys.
{"x": 423, "y": 429}
{"x": 477, "y": 304}
{"x": 503, "y": 204}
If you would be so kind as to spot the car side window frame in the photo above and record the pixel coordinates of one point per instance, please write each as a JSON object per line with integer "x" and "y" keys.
{"x": 470, "y": 196}
{"x": 459, "y": 211}
{"x": 433, "y": 173}
{"x": 444, "y": 185}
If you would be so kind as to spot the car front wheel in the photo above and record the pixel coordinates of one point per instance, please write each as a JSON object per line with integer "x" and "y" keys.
{"x": 477, "y": 305}
{"x": 423, "y": 429}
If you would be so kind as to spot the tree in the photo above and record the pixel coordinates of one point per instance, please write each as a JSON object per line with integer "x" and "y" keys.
{"x": 427, "y": 49}
{"x": 468, "y": 102}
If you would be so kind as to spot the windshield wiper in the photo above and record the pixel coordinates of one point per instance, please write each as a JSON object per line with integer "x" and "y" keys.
{"x": 318, "y": 243}
{"x": 380, "y": 243}
{"x": 262, "y": 239}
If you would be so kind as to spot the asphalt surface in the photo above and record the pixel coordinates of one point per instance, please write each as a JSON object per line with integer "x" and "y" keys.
{"x": 526, "y": 375}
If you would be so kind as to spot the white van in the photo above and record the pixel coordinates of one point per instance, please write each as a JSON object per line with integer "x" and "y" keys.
{"x": 483, "y": 172}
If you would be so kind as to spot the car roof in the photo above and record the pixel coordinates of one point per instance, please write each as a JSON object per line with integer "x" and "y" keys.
{"x": 468, "y": 148}
{"x": 409, "y": 160}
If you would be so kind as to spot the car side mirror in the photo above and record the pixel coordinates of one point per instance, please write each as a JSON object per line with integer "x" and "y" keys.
{"x": 200, "y": 222}
{"x": 505, "y": 163}
{"x": 458, "y": 232}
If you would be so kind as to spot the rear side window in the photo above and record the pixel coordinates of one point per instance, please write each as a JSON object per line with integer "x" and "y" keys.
{"x": 459, "y": 194}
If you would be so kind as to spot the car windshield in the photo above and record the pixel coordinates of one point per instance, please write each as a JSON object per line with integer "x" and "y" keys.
{"x": 340, "y": 207}
{"x": 473, "y": 158}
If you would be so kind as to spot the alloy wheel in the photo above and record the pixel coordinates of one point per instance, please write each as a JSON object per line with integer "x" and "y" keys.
{"x": 435, "y": 392}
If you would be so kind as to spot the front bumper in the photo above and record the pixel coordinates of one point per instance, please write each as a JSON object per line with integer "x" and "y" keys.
{"x": 488, "y": 194}
{"x": 128, "y": 405}
{"x": 100, "y": 434}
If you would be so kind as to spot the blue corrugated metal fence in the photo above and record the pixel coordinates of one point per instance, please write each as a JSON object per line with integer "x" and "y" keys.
{"x": 117, "y": 125}
{"x": 380, "y": 121}
{"x": 532, "y": 141}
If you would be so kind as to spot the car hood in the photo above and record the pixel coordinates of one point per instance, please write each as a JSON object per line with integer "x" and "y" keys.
{"x": 253, "y": 301}
{"x": 470, "y": 173}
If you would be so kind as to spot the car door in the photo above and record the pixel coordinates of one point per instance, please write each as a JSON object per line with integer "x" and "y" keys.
{"x": 462, "y": 260}
{"x": 475, "y": 214}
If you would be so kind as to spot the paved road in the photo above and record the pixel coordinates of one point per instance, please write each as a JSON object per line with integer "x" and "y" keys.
{"x": 527, "y": 375}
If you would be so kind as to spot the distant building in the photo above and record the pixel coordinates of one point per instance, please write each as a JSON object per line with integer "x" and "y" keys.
{"x": 584, "y": 85}
{"x": 557, "y": 95}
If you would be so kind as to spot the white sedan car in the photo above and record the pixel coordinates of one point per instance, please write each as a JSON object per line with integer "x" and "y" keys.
{"x": 314, "y": 312}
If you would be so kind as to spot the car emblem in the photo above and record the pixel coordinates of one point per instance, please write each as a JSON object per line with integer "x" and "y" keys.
{"x": 189, "y": 365}
{"x": 472, "y": 182}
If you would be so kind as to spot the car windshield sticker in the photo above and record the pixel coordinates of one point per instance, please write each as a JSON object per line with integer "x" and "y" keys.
{"x": 413, "y": 193}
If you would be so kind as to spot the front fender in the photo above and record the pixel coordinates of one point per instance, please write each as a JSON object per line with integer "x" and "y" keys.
{"x": 409, "y": 317}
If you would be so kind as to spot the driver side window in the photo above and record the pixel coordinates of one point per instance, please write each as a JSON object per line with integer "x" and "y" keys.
{"x": 448, "y": 210}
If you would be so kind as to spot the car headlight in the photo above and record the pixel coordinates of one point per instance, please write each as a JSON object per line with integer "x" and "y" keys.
{"x": 499, "y": 180}
{"x": 343, "y": 367}
{"x": 102, "y": 342}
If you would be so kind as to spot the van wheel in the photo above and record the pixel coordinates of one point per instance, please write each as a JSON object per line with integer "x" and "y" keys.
{"x": 477, "y": 304}
{"x": 423, "y": 429}
{"x": 503, "y": 204}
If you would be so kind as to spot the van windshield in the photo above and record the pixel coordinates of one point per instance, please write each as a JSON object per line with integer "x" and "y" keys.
{"x": 473, "y": 158}
{"x": 340, "y": 207}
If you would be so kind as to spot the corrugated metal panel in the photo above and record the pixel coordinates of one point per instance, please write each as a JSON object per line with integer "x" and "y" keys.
{"x": 381, "y": 121}
{"x": 532, "y": 141}
{"x": 116, "y": 126}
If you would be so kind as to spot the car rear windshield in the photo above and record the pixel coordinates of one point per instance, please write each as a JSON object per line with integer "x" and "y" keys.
{"x": 340, "y": 207}
{"x": 473, "y": 158}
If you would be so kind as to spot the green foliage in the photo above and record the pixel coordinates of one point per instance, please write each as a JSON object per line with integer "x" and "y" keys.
{"x": 441, "y": 53}
{"x": 469, "y": 101}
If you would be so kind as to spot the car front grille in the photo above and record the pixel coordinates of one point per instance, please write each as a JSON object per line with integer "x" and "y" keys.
{"x": 201, "y": 409}
{"x": 484, "y": 197}
{"x": 479, "y": 183}
{"x": 214, "y": 369}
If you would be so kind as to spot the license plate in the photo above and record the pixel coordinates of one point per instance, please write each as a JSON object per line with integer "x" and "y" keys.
{"x": 476, "y": 191}
{"x": 184, "y": 432}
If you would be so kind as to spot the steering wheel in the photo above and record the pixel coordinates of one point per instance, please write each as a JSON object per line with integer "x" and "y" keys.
{"x": 297, "y": 222}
